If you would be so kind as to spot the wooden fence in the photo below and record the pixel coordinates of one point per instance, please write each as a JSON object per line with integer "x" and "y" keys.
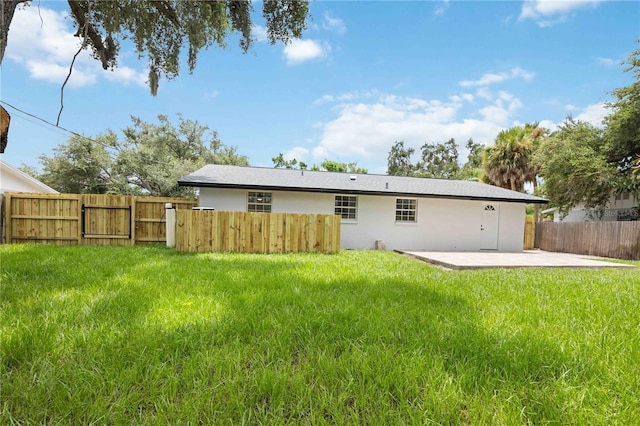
{"x": 529, "y": 233}
{"x": 609, "y": 239}
{"x": 220, "y": 231}
{"x": 86, "y": 219}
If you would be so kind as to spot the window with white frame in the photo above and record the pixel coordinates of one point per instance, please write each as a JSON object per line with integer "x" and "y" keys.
{"x": 259, "y": 202}
{"x": 346, "y": 206}
{"x": 406, "y": 209}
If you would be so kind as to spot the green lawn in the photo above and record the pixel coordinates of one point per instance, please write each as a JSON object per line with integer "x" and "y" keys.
{"x": 149, "y": 336}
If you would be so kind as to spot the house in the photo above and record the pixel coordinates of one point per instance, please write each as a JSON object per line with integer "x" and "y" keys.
{"x": 15, "y": 180}
{"x": 621, "y": 207}
{"x": 400, "y": 212}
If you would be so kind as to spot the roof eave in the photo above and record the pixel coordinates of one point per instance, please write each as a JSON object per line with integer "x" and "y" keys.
{"x": 356, "y": 192}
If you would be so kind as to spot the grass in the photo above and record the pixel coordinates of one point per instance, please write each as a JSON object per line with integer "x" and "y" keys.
{"x": 145, "y": 335}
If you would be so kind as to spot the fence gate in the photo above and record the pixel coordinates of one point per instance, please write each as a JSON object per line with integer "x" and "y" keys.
{"x": 86, "y": 219}
{"x": 106, "y": 218}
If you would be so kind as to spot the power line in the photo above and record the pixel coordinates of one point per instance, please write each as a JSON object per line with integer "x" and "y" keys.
{"x": 69, "y": 131}
{"x": 45, "y": 121}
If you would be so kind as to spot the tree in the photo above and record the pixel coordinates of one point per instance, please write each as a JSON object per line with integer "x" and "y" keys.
{"x": 399, "y": 160}
{"x": 472, "y": 169}
{"x": 279, "y": 162}
{"x": 82, "y": 165}
{"x": 336, "y": 166}
{"x": 439, "y": 160}
{"x": 622, "y": 135}
{"x": 160, "y": 29}
{"x": 148, "y": 161}
{"x": 508, "y": 163}
{"x": 575, "y": 167}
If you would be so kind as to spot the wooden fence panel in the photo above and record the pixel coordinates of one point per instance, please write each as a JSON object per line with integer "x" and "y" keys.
{"x": 107, "y": 220}
{"x": 609, "y": 239}
{"x": 150, "y": 220}
{"x": 50, "y": 218}
{"x": 220, "y": 231}
{"x": 529, "y": 233}
{"x": 86, "y": 219}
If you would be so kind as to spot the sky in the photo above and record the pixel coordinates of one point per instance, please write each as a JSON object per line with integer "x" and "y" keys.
{"x": 364, "y": 75}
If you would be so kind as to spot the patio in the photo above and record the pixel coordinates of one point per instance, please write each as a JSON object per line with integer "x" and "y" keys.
{"x": 524, "y": 259}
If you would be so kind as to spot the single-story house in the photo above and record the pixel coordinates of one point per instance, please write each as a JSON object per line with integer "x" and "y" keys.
{"x": 15, "y": 180}
{"x": 621, "y": 207}
{"x": 403, "y": 213}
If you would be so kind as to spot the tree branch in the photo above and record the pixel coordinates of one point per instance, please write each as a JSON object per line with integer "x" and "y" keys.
{"x": 165, "y": 8}
{"x": 7, "y": 9}
{"x": 65, "y": 83}
{"x": 91, "y": 36}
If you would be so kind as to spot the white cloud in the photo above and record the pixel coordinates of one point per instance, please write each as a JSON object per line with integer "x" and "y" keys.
{"x": 484, "y": 93}
{"x": 344, "y": 97}
{"x": 298, "y": 152}
{"x": 41, "y": 41}
{"x": 492, "y": 78}
{"x": 550, "y": 12}
{"x": 366, "y": 129}
{"x": 41, "y": 70}
{"x": 299, "y": 51}
{"x": 593, "y": 114}
{"x": 608, "y": 62}
{"x": 127, "y": 75}
{"x": 442, "y": 7}
{"x": 502, "y": 109}
{"x": 211, "y": 95}
{"x": 548, "y": 124}
{"x": 336, "y": 25}
{"x": 259, "y": 33}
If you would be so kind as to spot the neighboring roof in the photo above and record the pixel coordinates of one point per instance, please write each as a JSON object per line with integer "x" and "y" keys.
{"x": 272, "y": 179}
{"x": 15, "y": 180}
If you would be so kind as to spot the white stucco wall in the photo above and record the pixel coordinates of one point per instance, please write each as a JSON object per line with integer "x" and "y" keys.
{"x": 442, "y": 224}
{"x": 15, "y": 180}
{"x": 615, "y": 208}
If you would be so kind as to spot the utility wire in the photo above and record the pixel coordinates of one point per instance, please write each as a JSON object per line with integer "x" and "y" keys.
{"x": 46, "y": 122}
{"x": 150, "y": 160}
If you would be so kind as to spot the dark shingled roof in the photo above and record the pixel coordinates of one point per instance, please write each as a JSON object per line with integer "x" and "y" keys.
{"x": 271, "y": 179}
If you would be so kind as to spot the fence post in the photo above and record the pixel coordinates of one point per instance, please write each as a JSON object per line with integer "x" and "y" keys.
{"x": 170, "y": 224}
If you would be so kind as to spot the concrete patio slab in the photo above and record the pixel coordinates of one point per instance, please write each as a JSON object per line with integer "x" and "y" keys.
{"x": 525, "y": 259}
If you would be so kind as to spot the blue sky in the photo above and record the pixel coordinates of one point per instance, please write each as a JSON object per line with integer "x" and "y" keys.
{"x": 365, "y": 74}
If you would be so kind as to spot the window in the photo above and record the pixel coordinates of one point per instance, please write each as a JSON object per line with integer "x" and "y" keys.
{"x": 259, "y": 202}
{"x": 406, "y": 209}
{"x": 346, "y": 206}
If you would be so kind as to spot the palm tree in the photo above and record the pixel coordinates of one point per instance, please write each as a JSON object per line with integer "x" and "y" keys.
{"x": 508, "y": 162}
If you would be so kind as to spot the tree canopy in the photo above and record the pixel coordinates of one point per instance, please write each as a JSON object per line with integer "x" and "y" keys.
{"x": 149, "y": 160}
{"x": 437, "y": 160}
{"x": 509, "y": 163}
{"x": 575, "y": 167}
{"x": 161, "y": 29}
{"x": 622, "y": 135}
{"x": 280, "y": 162}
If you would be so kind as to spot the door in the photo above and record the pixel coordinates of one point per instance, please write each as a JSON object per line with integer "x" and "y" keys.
{"x": 489, "y": 226}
